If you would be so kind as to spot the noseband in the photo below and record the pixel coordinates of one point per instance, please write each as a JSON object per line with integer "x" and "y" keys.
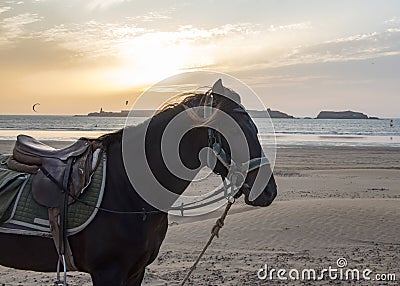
{"x": 237, "y": 172}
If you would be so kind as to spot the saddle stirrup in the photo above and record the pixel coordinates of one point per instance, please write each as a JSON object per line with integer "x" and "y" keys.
{"x": 59, "y": 282}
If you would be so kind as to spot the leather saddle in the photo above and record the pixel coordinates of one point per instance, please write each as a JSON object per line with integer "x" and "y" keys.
{"x": 57, "y": 170}
{"x": 61, "y": 175}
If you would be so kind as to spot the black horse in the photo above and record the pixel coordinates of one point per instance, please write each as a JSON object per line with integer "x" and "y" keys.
{"x": 115, "y": 248}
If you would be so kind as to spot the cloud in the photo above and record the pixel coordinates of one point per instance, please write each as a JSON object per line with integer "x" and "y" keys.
{"x": 153, "y": 16}
{"x": 92, "y": 38}
{"x": 394, "y": 20}
{"x": 190, "y": 33}
{"x": 290, "y": 27}
{"x": 95, "y": 39}
{"x": 16, "y": 27}
{"x": 124, "y": 49}
{"x": 5, "y": 9}
{"x": 103, "y": 4}
{"x": 356, "y": 47}
{"x": 129, "y": 41}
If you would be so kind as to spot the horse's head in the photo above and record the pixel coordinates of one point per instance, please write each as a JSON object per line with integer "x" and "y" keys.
{"x": 238, "y": 150}
{"x": 171, "y": 153}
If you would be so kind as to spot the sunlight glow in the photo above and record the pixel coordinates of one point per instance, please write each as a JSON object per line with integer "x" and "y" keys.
{"x": 155, "y": 56}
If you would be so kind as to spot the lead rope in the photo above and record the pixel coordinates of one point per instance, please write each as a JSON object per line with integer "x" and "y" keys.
{"x": 214, "y": 233}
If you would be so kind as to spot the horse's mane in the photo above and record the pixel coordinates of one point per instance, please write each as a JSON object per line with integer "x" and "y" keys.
{"x": 183, "y": 101}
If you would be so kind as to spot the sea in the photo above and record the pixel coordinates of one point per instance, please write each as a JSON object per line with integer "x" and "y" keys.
{"x": 283, "y": 132}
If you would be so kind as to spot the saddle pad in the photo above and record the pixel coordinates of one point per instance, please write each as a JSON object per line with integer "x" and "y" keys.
{"x": 26, "y": 217}
{"x": 11, "y": 183}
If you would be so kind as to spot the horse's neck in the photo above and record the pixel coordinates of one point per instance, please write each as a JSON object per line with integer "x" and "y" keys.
{"x": 153, "y": 149}
{"x": 129, "y": 150}
{"x": 126, "y": 193}
{"x": 122, "y": 192}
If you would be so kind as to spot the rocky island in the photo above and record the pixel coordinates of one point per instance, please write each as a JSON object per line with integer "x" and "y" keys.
{"x": 343, "y": 115}
{"x": 272, "y": 114}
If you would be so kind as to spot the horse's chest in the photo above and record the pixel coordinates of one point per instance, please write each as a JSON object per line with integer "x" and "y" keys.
{"x": 149, "y": 236}
{"x": 148, "y": 240}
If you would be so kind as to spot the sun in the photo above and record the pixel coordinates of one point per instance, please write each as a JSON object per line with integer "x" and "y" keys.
{"x": 152, "y": 57}
{"x": 148, "y": 61}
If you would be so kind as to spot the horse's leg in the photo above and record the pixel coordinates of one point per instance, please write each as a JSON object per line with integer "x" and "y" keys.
{"x": 136, "y": 279}
{"x": 106, "y": 277}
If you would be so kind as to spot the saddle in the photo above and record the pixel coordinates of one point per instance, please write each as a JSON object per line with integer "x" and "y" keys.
{"x": 60, "y": 177}
{"x": 57, "y": 171}
{"x": 31, "y": 151}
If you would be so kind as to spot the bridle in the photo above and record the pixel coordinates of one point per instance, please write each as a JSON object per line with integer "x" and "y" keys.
{"x": 236, "y": 172}
{"x": 233, "y": 181}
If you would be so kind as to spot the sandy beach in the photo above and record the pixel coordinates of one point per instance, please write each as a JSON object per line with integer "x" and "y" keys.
{"x": 333, "y": 203}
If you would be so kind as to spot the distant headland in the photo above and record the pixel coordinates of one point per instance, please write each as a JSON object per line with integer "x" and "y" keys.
{"x": 254, "y": 113}
{"x": 343, "y": 115}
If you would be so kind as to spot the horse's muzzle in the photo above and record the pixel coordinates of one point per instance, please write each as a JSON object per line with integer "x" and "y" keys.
{"x": 266, "y": 197}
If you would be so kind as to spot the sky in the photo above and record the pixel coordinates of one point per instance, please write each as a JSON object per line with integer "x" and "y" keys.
{"x": 300, "y": 57}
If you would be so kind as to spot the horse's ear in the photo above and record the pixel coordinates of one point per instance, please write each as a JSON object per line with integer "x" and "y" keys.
{"x": 218, "y": 88}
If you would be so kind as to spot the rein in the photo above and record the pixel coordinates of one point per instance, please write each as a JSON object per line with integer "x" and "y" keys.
{"x": 214, "y": 233}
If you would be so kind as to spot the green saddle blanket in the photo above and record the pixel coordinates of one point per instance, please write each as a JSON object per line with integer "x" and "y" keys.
{"x": 20, "y": 214}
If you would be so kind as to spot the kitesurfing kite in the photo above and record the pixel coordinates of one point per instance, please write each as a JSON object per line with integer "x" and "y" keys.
{"x": 34, "y": 106}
